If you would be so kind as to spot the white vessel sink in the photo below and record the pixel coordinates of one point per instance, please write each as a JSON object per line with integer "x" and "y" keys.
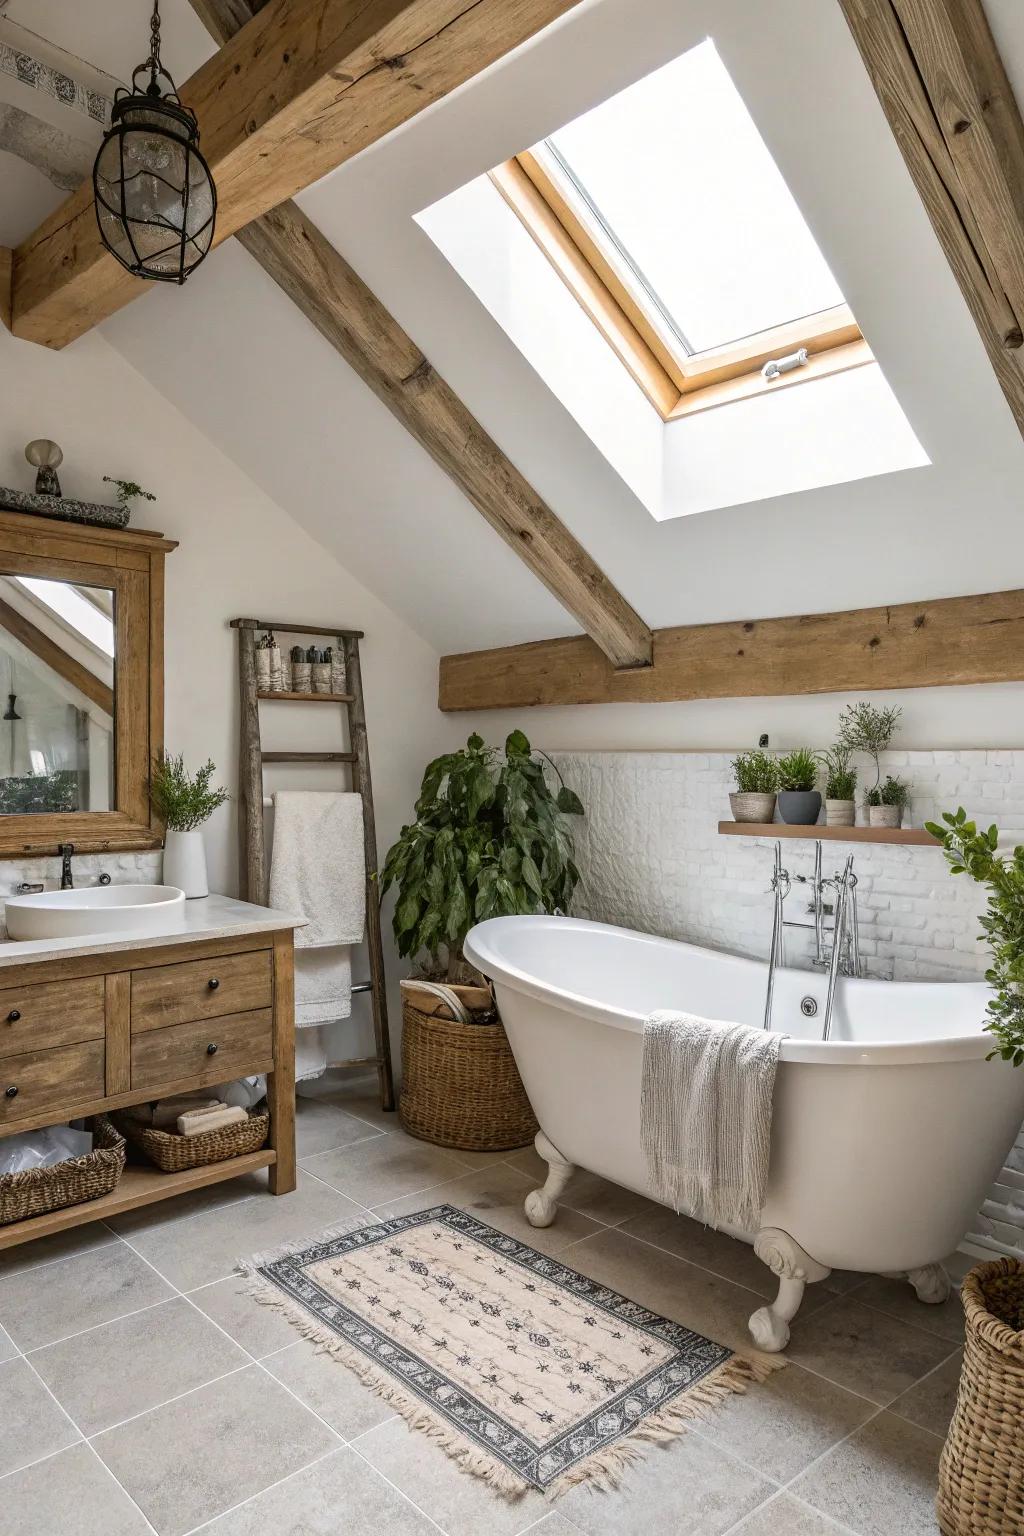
{"x": 96, "y": 909}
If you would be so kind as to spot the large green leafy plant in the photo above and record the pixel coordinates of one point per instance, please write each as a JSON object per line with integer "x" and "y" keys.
{"x": 490, "y": 839}
{"x": 974, "y": 853}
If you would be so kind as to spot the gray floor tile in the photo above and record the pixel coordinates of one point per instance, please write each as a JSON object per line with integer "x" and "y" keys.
{"x": 260, "y": 1330}
{"x": 605, "y": 1202}
{"x": 688, "y": 1487}
{"x": 378, "y": 1170}
{"x": 311, "y": 1504}
{"x": 31, "y": 1424}
{"x": 783, "y": 1424}
{"x": 899, "y": 1299}
{"x": 136, "y": 1363}
{"x": 7, "y": 1346}
{"x": 208, "y": 1247}
{"x": 359, "y": 1096}
{"x": 930, "y": 1404}
{"x": 201, "y": 1455}
{"x": 321, "y": 1126}
{"x": 460, "y": 1503}
{"x": 39, "y": 1306}
{"x": 72, "y": 1493}
{"x": 329, "y": 1388}
{"x": 496, "y": 1196}
{"x": 865, "y": 1350}
{"x": 701, "y": 1245}
{"x": 552, "y": 1525}
{"x": 211, "y": 1197}
{"x": 788, "y": 1517}
{"x": 60, "y": 1245}
{"x": 880, "y": 1481}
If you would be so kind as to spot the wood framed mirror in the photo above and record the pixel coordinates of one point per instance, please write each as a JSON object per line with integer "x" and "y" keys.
{"x": 82, "y": 671}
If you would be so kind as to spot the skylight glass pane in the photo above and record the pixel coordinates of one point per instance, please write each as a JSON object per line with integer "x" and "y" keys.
{"x": 76, "y": 611}
{"x": 680, "y": 175}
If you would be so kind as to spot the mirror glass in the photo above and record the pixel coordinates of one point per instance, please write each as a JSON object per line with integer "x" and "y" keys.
{"x": 56, "y": 696}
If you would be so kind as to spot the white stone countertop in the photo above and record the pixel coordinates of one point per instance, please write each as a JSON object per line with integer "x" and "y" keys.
{"x": 206, "y": 917}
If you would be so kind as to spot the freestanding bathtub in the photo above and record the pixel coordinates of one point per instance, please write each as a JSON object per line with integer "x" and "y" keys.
{"x": 885, "y": 1138}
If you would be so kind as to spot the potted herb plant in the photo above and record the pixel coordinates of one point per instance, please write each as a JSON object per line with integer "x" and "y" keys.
{"x": 840, "y": 786}
{"x": 490, "y": 839}
{"x": 799, "y": 801}
{"x": 183, "y": 802}
{"x": 863, "y": 728}
{"x": 887, "y": 803}
{"x": 757, "y": 780}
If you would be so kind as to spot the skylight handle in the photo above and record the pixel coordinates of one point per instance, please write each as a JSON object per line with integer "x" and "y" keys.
{"x": 777, "y": 366}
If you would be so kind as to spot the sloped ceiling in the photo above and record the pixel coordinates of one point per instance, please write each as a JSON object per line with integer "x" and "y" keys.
{"x": 239, "y": 360}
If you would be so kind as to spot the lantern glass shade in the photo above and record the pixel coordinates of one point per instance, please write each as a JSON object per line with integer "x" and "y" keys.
{"x": 155, "y": 197}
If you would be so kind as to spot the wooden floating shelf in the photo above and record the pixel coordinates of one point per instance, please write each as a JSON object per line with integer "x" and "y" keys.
{"x": 915, "y": 836}
{"x": 307, "y": 698}
{"x": 138, "y": 1186}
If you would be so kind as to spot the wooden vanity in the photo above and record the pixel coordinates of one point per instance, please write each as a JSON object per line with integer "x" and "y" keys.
{"x": 109, "y": 1024}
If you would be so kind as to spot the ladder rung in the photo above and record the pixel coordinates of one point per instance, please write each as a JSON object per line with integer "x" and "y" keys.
{"x": 362, "y": 986}
{"x": 298, "y": 629}
{"x": 308, "y": 757}
{"x": 279, "y": 696}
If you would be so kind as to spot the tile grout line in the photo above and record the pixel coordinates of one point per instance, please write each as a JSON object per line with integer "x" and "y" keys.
{"x": 107, "y": 1322}
{"x": 205, "y": 1525}
{"x": 384, "y": 1478}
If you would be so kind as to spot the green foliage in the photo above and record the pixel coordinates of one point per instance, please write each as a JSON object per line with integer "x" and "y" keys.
{"x": 840, "y": 775}
{"x": 892, "y": 792}
{"x": 757, "y": 773}
{"x": 863, "y": 728}
{"x": 128, "y": 490}
{"x": 798, "y": 769}
{"x": 489, "y": 840}
{"x": 971, "y": 852}
{"x": 183, "y": 802}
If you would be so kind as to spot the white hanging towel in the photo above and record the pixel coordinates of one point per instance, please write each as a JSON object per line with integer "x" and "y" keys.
{"x": 318, "y": 869}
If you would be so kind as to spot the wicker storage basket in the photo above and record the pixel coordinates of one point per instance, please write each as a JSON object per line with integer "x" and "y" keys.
{"x": 38, "y": 1190}
{"x": 981, "y": 1473}
{"x": 460, "y": 1084}
{"x": 172, "y": 1153}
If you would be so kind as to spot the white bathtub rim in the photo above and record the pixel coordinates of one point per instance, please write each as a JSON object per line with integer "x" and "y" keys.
{"x": 479, "y": 950}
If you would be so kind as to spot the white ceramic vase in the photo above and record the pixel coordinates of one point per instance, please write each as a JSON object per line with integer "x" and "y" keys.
{"x": 185, "y": 862}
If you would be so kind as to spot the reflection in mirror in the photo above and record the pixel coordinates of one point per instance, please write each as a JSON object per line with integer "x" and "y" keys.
{"x": 57, "y": 677}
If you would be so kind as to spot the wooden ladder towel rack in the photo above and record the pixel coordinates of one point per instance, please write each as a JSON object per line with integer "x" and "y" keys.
{"x": 252, "y": 851}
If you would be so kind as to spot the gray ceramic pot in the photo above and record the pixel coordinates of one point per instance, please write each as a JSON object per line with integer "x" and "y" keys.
{"x": 749, "y": 805}
{"x": 884, "y": 815}
{"x": 799, "y": 807}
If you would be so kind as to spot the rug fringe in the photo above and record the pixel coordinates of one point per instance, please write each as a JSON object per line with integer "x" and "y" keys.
{"x": 257, "y": 1261}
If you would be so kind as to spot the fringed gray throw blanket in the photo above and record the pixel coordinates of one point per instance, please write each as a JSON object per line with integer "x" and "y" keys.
{"x": 706, "y": 1116}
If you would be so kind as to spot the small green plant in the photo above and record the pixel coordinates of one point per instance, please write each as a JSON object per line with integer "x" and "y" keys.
{"x": 128, "y": 490}
{"x": 183, "y": 801}
{"x": 490, "y": 839}
{"x": 840, "y": 775}
{"x": 757, "y": 773}
{"x": 798, "y": 769}
{"x": 892, "y": 792}
{"x": 863, "y": 728}
{"x": 971, "y": 852}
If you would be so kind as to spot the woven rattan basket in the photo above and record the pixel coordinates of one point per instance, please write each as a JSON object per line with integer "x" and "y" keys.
{"x": 460, "y": 1084}
{"x": 981, "y": 1473}
{"x": 38, "y": 1190}
{"x": 172, "y": 1152}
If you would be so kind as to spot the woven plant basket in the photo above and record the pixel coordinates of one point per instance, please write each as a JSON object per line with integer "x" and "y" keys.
{"x": 981, "y": 1472}
{"x": 460, "y": 1085}
{"x": 38, "y": 1190}
{"x": 172, "y": 1152}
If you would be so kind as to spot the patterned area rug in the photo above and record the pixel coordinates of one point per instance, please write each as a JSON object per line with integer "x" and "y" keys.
{"x": 526, "y": 1372}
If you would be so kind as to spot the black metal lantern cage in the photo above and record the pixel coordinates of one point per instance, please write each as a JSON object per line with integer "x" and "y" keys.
{"x": 155, "y": 198}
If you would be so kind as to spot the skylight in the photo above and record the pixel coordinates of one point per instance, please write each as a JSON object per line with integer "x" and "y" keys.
{"x": 76, "y": 611}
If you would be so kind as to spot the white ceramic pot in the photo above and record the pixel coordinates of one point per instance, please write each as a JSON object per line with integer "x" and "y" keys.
{"x": 185, "y": 862}
{"x": 884, "y": 815}
{"x": 840, "y": 813}
{"x": 748, "y": 805}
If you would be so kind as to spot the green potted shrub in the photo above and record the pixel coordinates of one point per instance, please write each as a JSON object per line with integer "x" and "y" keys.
{"x": 183, "y": 801}
{"x": 757, "y": 780}
{"x": 491, "y": 839}
{"x": 887, "y": 803}
{"x": 840, "y": 786}
{"x": 863, "y": 728}
{"x": 799, "y": 801}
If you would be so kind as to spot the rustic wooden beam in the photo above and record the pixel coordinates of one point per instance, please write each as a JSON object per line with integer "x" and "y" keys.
{"x": 942, "y": 85}
{"x": 6, "y": 261}
{"x": 299, "y": 89}
{"x": 55, "y": 656}
{"x": 929, "y": 644}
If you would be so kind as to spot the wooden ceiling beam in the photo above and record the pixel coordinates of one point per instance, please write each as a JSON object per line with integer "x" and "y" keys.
{"x": 913, "y": 645}
{"x": 938, "y": 75}
{"x": 300, "y": 88}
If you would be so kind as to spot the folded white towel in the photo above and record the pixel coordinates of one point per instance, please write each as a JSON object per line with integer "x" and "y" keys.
{"x": 706, "y": 1116}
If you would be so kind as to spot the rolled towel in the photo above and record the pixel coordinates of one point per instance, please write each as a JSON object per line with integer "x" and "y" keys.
{"x": 198, "y": 1123}
{"x": 166, "y": 1111}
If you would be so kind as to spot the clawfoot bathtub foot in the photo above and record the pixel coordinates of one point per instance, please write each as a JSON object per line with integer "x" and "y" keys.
{"x": 541, "y": 1204}
{"x": 931, "y": 1283}
{"x": 769, "y": 1326}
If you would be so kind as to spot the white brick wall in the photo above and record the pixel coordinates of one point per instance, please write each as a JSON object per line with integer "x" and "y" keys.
{"x": 123, "y": 869}
{"x": 652, "y": 858}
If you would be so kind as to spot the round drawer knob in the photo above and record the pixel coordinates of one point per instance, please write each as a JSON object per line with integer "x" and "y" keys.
{"x": 14, "y": 1016}
{"x": 213, "y": 983}
{"x": 211, "y": 1049}
{"x": 11, "y": 1092}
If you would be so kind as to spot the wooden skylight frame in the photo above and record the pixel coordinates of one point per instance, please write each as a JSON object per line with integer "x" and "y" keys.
{"x": 674, "y": 385}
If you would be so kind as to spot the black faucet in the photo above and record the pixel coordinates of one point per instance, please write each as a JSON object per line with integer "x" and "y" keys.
{"x": 66, "y": 850}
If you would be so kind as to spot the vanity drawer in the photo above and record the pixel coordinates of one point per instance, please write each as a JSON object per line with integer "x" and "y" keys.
{"x": 54, "y": 1013}
{"x": 201, "y": 989}
{"x": 204, "y": 1050}
{"x": 44, "y": 1081}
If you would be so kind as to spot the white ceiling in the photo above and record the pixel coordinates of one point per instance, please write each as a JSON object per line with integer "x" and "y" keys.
{"x": 239, "y": 360}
